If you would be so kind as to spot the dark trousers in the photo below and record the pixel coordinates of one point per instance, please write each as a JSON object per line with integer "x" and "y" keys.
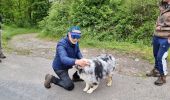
{"x": 0, "y": 41}
{"x": 64, "y": 80}
{"x": 160, "y": 51}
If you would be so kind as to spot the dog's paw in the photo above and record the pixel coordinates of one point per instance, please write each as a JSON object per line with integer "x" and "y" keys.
{"x": 85, "y": 89}
{"x": 90, "y": 91}
{"x": 109, "y": 84}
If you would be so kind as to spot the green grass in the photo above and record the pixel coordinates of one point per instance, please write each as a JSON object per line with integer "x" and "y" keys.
{"x": 135, "y": 49}
{"x": 10, "y": 31}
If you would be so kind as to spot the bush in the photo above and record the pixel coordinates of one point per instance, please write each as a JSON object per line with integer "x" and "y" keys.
{"x": 57, "y": 22}
{"x": 104, "y": 20}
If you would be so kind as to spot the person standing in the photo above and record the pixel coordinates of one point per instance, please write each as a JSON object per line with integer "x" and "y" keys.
{"x": 1, "y": 53}
{"x": 161, "y": 43}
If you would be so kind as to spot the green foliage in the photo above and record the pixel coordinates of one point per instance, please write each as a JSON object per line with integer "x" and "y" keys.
{"x": 38, "y": 11}
{"x": 104, "y": 20}
{"x": 6, "y": 12}
{"x": 136, "y": 22}
{"x": 57, "y": 22}
{"x": 23, "y": 12}
{"x": 8, "y": 32}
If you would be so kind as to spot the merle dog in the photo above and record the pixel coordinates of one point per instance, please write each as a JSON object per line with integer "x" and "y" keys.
{"x": 100, "y": 67}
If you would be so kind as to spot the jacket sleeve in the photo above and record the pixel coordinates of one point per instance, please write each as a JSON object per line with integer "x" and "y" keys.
{"x": 166, "y": 22}
{"x": 64, "y": 56}
{"x": 79, "y": 55}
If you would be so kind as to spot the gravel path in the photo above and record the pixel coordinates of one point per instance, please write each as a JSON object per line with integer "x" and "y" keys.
{"x": 22, "y": 75}
{"x": 29, "y": 45}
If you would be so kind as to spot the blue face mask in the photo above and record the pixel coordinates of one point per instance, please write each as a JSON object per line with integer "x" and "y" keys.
{"x": 75, "y": 36}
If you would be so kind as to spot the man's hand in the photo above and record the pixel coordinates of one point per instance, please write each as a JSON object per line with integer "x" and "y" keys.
{"x": 82, "y": 62}
{"x": 158, "y": 28}
{"x": 169, "y": 39}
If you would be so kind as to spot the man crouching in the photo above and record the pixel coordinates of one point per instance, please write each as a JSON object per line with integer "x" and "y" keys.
{"x": 67, "y": 55}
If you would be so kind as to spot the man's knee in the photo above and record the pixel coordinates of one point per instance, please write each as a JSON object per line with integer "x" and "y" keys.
{"x": 69, "y": 86}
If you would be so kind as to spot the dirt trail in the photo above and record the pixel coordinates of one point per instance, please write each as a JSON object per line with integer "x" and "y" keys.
{"x": 22, "y": 75}
{"x": 29, "y": 45}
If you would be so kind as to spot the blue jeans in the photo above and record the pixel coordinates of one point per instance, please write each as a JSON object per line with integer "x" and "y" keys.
{"x": 160, "y": 52}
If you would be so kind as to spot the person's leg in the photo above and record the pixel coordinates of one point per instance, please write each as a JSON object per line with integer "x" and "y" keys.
{"x": 154, "y": 72}
{"x": 0, "y": 41}
{"x": 0, "y": 44}
{"x": 162, "y": 57}
{"x": 1, "y": 53}
{"x": 156, "y": 45}
{"x": 63, "y": 80}
{"x": 162, "y": 63}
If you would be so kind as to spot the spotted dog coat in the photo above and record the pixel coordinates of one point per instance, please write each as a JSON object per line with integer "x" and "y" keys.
{"x": 100, "y": 67}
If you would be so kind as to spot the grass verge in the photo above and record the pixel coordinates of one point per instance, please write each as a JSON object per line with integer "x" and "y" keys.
{"x": 10, "y": 31}
{"x": 137, "y": 49}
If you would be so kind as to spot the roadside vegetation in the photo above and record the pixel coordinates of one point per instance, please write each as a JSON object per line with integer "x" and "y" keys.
{"x": 10, "y": 31}
{"x": 136, "y": 49}
{"x": 122, "y": 25}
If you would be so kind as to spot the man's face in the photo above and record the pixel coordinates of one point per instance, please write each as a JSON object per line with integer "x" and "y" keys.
{"x": 73, "y": 38}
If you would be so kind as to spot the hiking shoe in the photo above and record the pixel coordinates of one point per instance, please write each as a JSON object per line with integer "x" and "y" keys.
{"x": 2, "y": 56}
{"x": 153, "y": 73}
{"x": 161, "y": 80}
{"x": 47, "y": 83}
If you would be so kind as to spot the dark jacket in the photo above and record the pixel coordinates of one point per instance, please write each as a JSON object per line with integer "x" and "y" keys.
{"x": 66, "y": 54}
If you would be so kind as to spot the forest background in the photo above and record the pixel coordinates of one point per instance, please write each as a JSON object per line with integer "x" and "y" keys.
{"x": 123, "y": 25}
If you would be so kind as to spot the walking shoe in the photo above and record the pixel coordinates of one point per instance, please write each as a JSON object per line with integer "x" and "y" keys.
{"x": 153, "y": 73}
{"x": 2, "y": 56}
{"x": 47, "y": 82}
{"x": 161, "y": 80}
